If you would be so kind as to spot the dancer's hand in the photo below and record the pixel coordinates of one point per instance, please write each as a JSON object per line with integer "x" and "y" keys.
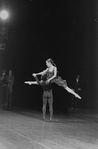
{"x": 34, "y": 74}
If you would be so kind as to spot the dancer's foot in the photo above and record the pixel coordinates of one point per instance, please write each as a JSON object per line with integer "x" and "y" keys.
{"x": 51, "y": 119}
{"x": 76, "y": 95}
{"x": 44, "y": 119}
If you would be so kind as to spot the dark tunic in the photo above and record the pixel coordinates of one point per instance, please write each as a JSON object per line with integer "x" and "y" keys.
{"x": 44, "y": 78}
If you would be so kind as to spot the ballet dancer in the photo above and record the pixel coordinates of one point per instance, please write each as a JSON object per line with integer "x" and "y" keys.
{"x": 51, "y": 76}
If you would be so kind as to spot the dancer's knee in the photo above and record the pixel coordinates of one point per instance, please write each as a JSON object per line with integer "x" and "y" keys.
{"x": 51, "y": 109}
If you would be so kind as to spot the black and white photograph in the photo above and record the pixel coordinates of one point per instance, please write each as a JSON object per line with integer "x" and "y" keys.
{"x": 48, "y": 74}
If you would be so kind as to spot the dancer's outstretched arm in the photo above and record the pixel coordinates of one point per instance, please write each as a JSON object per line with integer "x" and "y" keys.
{"x": 40, "y": 73}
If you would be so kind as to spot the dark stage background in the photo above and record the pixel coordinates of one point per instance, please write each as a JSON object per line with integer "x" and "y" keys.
{"x": 64, "y": 30}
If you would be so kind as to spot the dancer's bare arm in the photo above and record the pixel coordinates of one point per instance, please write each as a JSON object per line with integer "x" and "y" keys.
{"x": 40, "y": 73}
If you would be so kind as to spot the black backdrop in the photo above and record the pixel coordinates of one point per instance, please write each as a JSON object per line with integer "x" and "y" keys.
{"x": 66, "y": 31}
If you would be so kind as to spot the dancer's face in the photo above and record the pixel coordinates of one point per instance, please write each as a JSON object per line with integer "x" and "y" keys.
{"x": 48, "y": 64}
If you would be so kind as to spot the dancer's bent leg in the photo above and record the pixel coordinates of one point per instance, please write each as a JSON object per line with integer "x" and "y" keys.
{"x": 42, "y": 83}
{"x": 36, "y": 78}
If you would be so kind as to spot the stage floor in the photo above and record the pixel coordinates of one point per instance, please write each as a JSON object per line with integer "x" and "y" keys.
{"x": 23, "y": 129}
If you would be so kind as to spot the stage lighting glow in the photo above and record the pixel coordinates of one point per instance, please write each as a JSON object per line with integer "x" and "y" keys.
{"x": 4, "y": 14}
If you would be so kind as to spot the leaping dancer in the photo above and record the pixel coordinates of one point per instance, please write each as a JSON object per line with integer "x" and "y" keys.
{"x": 49, "y": 76}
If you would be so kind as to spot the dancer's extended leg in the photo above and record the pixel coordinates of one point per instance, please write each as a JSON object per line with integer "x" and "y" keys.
{"x": 31, "y": 82}
{"x": 72, "y": 92}
{"x": 59, "y": 81}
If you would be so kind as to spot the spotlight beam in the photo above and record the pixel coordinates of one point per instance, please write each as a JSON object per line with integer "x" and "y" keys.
{"x": 4, "y": 14}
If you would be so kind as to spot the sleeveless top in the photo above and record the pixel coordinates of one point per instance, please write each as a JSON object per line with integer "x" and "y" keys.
{"x": 50, "y": 74}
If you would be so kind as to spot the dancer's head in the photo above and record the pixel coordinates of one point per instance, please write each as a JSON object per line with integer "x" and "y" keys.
{"x": 49, "y": 62}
